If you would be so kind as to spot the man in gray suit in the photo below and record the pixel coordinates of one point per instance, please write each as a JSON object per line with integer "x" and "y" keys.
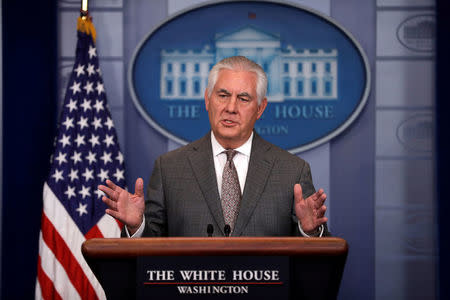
{"x": 231, "y": 181}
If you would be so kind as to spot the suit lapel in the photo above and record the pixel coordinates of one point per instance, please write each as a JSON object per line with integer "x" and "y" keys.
{"x": 259, "y": 167}
{"x": 202, "y": 163}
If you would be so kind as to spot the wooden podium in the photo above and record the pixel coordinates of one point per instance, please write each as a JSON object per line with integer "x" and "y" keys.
{"x": 314, "y": 266}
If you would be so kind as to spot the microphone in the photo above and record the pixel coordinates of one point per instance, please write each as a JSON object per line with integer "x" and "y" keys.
{"x": 210, "y": 230}
{"x": 227, "y": 230}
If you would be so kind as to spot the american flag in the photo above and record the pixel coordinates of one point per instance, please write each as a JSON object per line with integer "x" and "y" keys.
{"x": 86, "y": 154}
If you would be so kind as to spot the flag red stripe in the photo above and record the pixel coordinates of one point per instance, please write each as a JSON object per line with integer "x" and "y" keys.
{"x": 64, "y": 255}
{"x": 48, "y": 290}
{"x": 94, "y": 232}
{"x": 120, "y": 224}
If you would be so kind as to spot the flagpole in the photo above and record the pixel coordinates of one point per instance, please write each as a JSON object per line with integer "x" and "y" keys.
{"x": 84, "y": 11}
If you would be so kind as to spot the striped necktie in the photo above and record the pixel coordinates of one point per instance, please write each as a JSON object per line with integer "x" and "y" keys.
{"x": 231, "y": 190}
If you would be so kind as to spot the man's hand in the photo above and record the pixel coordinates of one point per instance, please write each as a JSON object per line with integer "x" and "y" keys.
{"x": 310, "y": 211}
{"x": 124, "y": 206}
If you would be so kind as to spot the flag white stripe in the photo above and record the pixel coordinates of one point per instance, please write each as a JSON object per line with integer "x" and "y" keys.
{"x": 56, "y": 272}
{"x": 69, "y": 231}
{"x": 37, "y": 290}
{"x": 109, "y": 227}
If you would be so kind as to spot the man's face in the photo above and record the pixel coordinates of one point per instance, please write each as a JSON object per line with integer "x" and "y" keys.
{"x": 233, "y": 107}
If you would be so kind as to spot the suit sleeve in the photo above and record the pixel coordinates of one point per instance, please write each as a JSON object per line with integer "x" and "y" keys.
{"x": 155, "y": 208}
{"x": 306, "y": 181}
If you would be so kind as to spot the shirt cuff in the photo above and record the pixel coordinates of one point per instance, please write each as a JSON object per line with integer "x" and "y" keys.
{"x": 321, "y": 228}
{"x": 138, "y": 232}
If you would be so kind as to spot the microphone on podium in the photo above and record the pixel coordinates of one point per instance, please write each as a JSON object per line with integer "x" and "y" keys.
{"x": 227, "y": 230}
{"x": 210, "y": 230}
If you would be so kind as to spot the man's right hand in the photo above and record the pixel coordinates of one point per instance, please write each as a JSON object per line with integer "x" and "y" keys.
{"x": 126, "y": 207}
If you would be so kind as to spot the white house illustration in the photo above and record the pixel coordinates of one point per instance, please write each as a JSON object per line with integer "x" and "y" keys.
{"x": 294, "y": 74}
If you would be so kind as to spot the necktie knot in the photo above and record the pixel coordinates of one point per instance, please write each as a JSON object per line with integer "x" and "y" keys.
{"x": 230, "y": 154}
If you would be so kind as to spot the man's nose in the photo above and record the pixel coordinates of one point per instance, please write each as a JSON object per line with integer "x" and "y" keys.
{"x": 232, "y": 105}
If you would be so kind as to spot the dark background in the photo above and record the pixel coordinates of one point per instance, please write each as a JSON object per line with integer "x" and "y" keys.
{"x": 443, "y": 145}
{"x": 29, "y": 125}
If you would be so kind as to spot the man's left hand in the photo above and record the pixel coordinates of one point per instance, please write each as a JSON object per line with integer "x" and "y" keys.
{"x": 310, "y": 211}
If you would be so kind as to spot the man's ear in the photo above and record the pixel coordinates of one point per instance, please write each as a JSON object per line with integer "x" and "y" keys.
{"x": 261, "y": 108}
{"x": 206, "y": 99}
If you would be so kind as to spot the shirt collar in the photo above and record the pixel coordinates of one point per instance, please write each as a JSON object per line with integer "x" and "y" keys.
{"x": 245, "y": 148}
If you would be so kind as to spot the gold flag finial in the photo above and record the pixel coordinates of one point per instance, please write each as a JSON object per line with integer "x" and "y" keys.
{"x": 84, "y": 11}
{"x": 84, "y": 23}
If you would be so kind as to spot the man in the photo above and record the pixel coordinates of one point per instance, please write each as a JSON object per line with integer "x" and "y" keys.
{"x": 231, "y": 180}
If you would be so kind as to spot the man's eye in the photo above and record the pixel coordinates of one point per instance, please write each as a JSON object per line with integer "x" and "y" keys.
{"x": 223, "y": 95}
{"x": 244, "y": 99}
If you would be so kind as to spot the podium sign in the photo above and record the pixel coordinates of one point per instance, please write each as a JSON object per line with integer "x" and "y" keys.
{"x": 189, "y": 277}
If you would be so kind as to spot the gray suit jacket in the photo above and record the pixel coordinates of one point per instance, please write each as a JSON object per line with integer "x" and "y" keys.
{"x": 183, "y": 197}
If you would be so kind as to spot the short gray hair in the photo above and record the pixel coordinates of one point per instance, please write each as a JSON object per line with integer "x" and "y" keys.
{"x": 239, "y": 63}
